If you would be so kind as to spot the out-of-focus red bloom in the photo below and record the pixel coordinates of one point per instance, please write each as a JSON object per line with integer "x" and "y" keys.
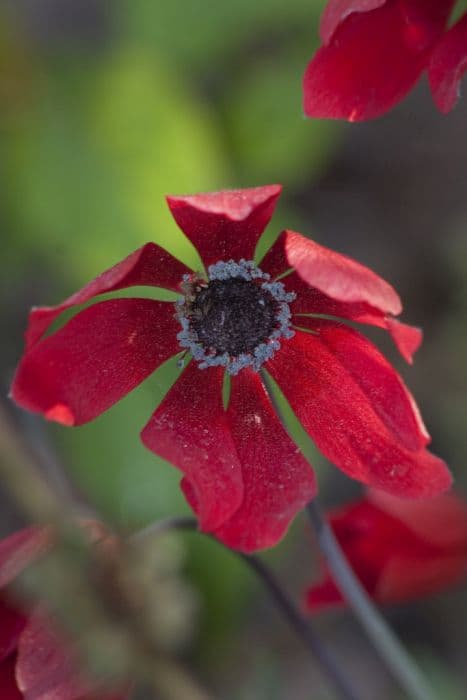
{"x": 243, "y": 475}
{"x": 400, "y": 550}
{"x": 374, "y": 52}
{"x": 35, "y": 663}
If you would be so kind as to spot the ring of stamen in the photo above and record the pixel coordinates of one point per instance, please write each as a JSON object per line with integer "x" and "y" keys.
{"x": 235, "y": 318}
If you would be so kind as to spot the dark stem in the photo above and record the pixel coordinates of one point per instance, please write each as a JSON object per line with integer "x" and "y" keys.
{"x": 383, "y": 638}
{"x": 301, "y": 626}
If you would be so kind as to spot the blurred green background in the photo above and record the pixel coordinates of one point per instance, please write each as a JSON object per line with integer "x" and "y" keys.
{"x": 108, "y": 106}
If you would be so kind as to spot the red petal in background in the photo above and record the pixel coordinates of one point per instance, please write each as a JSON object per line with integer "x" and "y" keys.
{"x": 190, "y": 430}
{"x": 225, "y": 225}
{"x": 8, "y": 686}
{"x": 11, "y": 625}
{"x": 20, "y": 549}
{"x": 45, "y": 668}
{"x": 148, "y": 266}
{"x": 447, "y": 66}
{"x": 278, "y": 481}
{"x": 355, "y": 426}
{"x": 371, "y": 62}
{"x": 395, "y": 558}
{"x": 99, "y": 356}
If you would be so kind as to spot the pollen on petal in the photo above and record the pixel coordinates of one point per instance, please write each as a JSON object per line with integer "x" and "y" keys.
{"x": 61, "y": 414}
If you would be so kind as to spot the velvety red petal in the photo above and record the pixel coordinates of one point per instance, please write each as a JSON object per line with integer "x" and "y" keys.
{"x": 310, "y": 300}
{"x": 99, "y": 356}
{"x": 45, "y": 669}
{"x": 227, "y": 224}
{"x": 338, "y": 276}
{"x": 20, "y": 549}
{"x": 278, "y": 481}
{"x": 356, "y": 430}
{"x": 371, "y": 62}
{"x": 148, "y": 266}
{"x": 447, "y": 66}
{"x": 336, "y": 11}
{"x": 190, "y": 429}
{"x": 8, "y": 687}
{"x": 382, "y": 386}
{"x": 423, "y": 518}
{"x": 11, "y": 626}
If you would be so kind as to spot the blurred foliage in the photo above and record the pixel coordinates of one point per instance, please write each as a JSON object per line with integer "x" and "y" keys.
{"x": 97, "y": 124}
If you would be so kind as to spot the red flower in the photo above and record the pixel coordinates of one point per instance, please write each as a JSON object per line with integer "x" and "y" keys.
{"x": 34, "y": 662}
{"x": 400, "y": 550}
{"x": 243, "y": 475}
{"x": 374, "y": 51}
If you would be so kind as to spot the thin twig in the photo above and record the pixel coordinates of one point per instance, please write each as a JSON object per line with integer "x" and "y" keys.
{"x": 300, "y": 625}
{"x": 385, "y": 641}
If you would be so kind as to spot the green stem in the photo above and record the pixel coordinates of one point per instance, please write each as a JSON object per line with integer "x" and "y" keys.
{"x": 395, "y": 656}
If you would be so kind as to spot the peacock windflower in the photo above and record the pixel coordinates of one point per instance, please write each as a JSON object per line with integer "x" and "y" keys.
{"x": 374, "y": 51}
{"x": 400, "y": 550}
{"x": 243, "y": 475}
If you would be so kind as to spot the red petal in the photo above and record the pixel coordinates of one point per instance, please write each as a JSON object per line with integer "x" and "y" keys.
{"x": 148, "y": 266}
{"x": 45, "y": 668}
{"x": 353, "y": 424}
{"x": 278, "y": 481}
{"x": 98, "y": 357}
{"x": 8, "y": 684}
{"x": 336, "y": 11}
{"x": 447, "y": 66}
{"x": 407, "y": 338}
{"x": 400, "y": 550}
{"x": 11, "y": 626}
{"x": 410, "y": 577}
{"x": 322, "y": 595}
{"x": 371, "y": 62}
{"x": 312, "y": 301}
{"x": 190, "y": 430}
{"x": 423, "y": 518}
{"x": 20, "y": 549}
{"x": 225, "y": 225}
{"x": 338, "y": 276}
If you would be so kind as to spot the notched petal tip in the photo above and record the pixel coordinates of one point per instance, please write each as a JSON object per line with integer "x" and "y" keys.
{"x": 235, "y": 205}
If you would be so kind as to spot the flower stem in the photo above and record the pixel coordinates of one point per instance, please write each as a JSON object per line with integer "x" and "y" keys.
{"x": 385, "y": 641}
{"x": 301, "y": 626}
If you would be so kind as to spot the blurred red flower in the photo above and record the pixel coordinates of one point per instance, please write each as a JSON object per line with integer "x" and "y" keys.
{"x": 400, "y": 550}
{"x": 243, "y": 475}
{"x": 374, "y": 52}
{"x": 35, "y": 664}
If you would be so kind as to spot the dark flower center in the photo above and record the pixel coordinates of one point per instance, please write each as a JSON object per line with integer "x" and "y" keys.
{"x": 235, "y": 318}
{"x": 233, "y": 315}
